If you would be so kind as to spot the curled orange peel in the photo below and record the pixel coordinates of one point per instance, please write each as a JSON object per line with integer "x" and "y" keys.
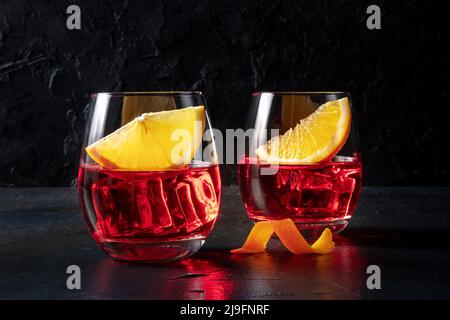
{"x": 289, "y": 236}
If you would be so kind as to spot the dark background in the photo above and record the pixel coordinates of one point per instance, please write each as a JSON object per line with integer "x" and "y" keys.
{"x": 398, "y": 76}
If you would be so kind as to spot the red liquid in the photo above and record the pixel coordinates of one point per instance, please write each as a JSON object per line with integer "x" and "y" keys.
{"x": 149, "y": 207}
{"x": 305, "y": 193}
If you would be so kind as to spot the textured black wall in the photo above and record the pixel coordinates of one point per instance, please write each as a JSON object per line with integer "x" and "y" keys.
{"x": 398, "y": 76}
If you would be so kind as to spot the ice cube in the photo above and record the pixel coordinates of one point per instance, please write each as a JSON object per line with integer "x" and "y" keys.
{"x": 317, "y": 180}
{"x": 144, "y": 204}
{"x": 282, "y": 178}
{"x": 115, "y": 208}
{"x": 203, "y": 196}
{"x": 183, "y": 192}
{"x": 296, "y": 181}
{"x": 317, "y": 198}
{"x": 291, "y": 200}
{"x": 161, "y": 214}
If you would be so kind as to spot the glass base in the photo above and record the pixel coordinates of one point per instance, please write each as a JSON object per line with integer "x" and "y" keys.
{"x": 152, "y": 252}
{"x": 311, "y": 231}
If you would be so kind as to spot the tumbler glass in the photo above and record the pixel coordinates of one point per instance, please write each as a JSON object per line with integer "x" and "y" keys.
{"x": 149, "y": 183}
{"x": 316, "y": 189}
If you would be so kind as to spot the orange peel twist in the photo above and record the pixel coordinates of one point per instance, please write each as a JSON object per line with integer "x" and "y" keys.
{"x": 289, "y": 236}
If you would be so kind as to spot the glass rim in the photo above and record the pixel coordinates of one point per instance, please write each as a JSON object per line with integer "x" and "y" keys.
{"x": 299, "y": 93}
{"x": 146, "y": 93}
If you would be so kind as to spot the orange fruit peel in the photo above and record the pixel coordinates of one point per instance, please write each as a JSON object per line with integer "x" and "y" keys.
{"x": 316, "y": 138}
{"x": 289, "y": 236}
{"x": 257, "y": 239}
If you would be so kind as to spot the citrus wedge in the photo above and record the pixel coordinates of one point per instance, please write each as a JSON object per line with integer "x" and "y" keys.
{"x": 315, "y": 138}
{"x": 153, "y": 141}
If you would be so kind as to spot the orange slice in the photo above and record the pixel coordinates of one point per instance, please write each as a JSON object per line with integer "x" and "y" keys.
{"x": 315, "y": 138}
{"x": 289, "y": 236}
{"x": 153, "y": 141}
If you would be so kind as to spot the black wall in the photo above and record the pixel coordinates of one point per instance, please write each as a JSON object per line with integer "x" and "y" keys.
{"x": 398, "y": 76}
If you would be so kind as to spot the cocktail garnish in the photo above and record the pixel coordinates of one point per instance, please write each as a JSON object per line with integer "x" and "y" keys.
{"x": 314, "y": 139}
{"x": 289, "y": 236}
{"x": 153, "y": 141}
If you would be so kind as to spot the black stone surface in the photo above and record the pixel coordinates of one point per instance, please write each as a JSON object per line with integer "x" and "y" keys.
{"x": 398, "y": 76}
{"x": 405, "y": 231}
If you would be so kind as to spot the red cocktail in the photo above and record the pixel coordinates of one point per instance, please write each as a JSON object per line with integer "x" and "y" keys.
{"x": 129, "y": 207}
{"x": 319, "y": 193}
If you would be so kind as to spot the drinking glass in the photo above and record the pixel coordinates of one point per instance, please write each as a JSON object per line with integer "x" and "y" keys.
{"x": 148, "y": 215}
{"x": 315, "y": 196}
